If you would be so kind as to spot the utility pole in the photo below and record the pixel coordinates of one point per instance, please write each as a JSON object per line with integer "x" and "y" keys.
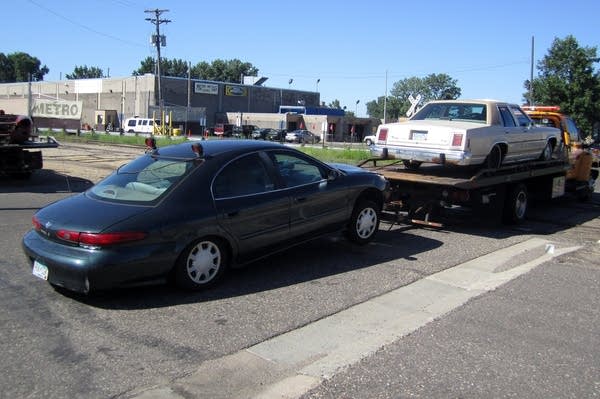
{"x": 531, "y": 72}
{"x": 385, "y": 99}
{"x": 158, "y": 41}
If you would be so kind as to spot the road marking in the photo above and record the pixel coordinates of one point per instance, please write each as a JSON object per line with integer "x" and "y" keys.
{"x": 291, "y": 364}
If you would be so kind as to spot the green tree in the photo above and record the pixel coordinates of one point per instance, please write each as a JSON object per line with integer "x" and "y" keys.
{"x": 566, "y": 78}
{"x": 175, "y": 67}
{"x": 148, "y": 65}
{"x": 85, "y": 72}
{"x": 223, "y": 70}
{"x": 392, "y": 108}
{"x": 219, "y": 70}
{"x": 7, "y": 70}
{"x": 431, "y": 87}
{"x": 19, "y": 66}
{"x": 335, "y": 104}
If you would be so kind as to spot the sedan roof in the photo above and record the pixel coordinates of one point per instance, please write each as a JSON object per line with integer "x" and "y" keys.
{"x": 215, "y": 147}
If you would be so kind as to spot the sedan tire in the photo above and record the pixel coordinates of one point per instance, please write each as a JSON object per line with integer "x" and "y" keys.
{"x": 202, "y": 264}
{"x": 364, "y": 222}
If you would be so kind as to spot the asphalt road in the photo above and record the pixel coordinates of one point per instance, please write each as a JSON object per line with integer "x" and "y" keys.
{"x": 123, "y": 343}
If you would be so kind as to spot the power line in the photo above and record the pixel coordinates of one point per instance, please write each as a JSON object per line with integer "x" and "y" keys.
{"x": 82, "y": 26}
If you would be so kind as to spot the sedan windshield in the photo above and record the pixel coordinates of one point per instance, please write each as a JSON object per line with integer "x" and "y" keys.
{"x": 144, "y": 180}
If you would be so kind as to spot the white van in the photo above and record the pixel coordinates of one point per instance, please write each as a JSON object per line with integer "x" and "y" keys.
{"x": 140, "y": 125}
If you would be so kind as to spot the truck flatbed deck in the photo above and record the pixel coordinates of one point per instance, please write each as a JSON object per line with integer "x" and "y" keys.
{"x": 467, "y": 178}
{"x": 422, "y": 193}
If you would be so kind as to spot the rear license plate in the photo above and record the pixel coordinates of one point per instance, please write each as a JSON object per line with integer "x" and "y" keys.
{"x": 416, "y": 135}
{"x": 40, "y": 270}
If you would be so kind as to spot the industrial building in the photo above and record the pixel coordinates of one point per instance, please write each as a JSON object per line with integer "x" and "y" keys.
{"x": 189, "y": 105}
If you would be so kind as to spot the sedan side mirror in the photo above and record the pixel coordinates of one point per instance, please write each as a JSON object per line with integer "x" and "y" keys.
{"x": 332, "y": 175}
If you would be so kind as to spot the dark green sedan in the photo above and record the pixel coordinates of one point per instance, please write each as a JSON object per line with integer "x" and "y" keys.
{"x": 188, "y": 212}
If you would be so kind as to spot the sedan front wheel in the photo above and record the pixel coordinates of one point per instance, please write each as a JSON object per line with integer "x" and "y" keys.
{"x": 364, "y": 222}
{"x": 202, "y": 264}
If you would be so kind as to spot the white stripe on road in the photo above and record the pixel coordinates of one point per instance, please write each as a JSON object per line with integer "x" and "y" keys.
{"x": 291, "y": 364}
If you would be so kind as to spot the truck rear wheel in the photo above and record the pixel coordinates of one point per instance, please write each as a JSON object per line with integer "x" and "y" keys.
{"x": 515, "y": 204}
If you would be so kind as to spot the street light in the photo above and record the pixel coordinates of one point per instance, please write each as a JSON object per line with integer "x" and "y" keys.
{"x": 290, "y": 83}
{"x": 356, "y": 110}
{"x": 317, "y": 88}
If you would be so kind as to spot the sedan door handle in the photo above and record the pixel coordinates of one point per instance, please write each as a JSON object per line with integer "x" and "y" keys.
{"x": 300, "y": 199}
{"x": 232, "y": 214}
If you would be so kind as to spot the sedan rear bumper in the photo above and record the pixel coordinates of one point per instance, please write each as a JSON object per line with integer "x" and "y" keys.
{"x": 83, "y": 270}
{"x": 454, "y": 157}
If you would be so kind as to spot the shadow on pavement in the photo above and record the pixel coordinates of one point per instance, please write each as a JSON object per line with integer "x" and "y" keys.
{"x": 311, "y": 261}
{"x": 43, "y": 182}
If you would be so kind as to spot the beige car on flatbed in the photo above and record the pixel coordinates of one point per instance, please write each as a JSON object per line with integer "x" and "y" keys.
{"x": 466, "y": 132}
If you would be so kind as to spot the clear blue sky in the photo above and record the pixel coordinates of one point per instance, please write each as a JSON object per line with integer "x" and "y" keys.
{"x": 348, "y": 45}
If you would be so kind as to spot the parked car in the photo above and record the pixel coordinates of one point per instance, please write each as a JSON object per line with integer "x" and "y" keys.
{"x": 261, "y": 133}
{"x": 224, "y": 129}
{"x": 141, "y": 125}
{"x": 302, "y": 136}
{"x": 191, "y": 211}
{"x": 467, "y": 132}
{"x": 245, "y": 131}
{"x": 369, "y": 140}
{"x": 276, "y": 135}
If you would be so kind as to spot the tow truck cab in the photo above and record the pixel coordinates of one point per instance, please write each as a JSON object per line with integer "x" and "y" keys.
{"x": 551, "y": 116}
{"x": 583, "y": 157}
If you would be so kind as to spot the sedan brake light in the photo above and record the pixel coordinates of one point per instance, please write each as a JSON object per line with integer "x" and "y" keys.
{"x": 382, "y": 136}
{"x": 99, "y": 239}
{"x": 93, "y": 239}
{"x": 37, "y": 226}
{"x": 102, "y": 239}
{"x": 457, "y": 139}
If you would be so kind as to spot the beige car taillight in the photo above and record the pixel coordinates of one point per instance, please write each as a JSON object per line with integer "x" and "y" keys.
{"x": 457, "y": 139}
{"x": 382, "y": 136}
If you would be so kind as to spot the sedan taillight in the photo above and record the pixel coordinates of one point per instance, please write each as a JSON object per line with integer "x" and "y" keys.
{"x": 93, "y": 239}
{"x": 100, "y": 239}
{"x": 457, "y": 139}
{"x": 382, "y": 136}
{"x": 37, "y": 226}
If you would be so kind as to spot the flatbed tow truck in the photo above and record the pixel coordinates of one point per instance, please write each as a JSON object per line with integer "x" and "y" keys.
{"x": 422, "y": 194}
{"x": 20, "y": 149}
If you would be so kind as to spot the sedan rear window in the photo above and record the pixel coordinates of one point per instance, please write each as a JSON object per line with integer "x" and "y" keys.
{"x": 452, "y": 111}
{"x": 144, "y": 180}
